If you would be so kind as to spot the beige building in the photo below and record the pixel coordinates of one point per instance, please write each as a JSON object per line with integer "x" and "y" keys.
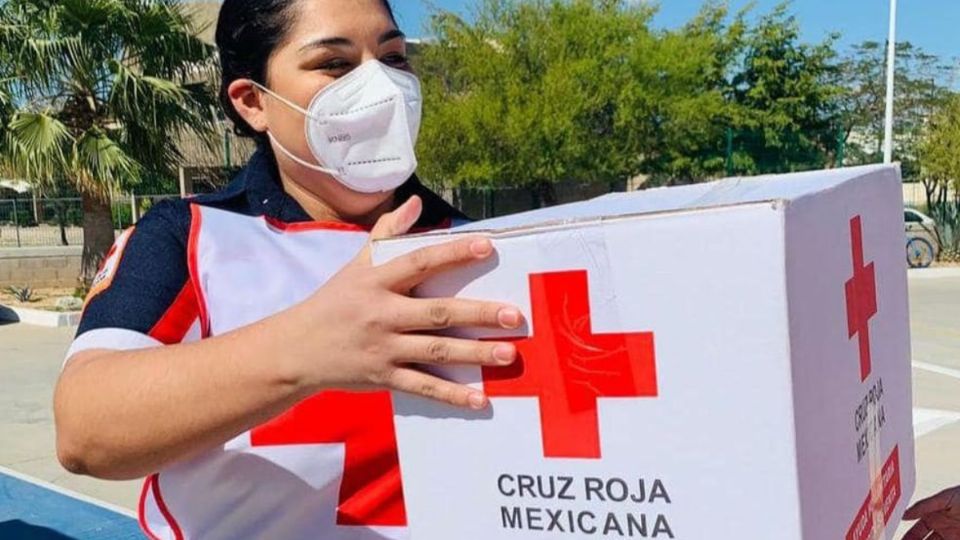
{"x": 208, "y": 164}
{"x": 205, "y": 16}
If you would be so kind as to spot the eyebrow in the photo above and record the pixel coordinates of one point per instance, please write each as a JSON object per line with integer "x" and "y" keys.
{"x": 391, "y": 35}
{"x": 345, "y": 42}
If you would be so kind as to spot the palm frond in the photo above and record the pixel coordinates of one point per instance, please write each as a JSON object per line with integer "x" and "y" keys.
{"x": 37, "y": 146}
{"x": 40, "y": 132}
{"x": 102, "y": 165}
{"x": 162, "y": 39}
{"x": 136, "y": 94}
{"x": 102, "y": 90}
{"x": 37, "y": 53}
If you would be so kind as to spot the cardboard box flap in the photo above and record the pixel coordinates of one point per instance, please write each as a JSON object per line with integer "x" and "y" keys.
{"x": 728, "y": 192}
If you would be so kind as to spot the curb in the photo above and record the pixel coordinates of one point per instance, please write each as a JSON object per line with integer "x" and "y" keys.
{"x": 934, "y": 273}
{"x": 31, "y": 252}
{"x": 49, "y": 319}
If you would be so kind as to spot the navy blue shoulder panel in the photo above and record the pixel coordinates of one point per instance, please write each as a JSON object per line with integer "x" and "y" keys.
{"x": 151, "y": 273}
{"x": 233, "y": 197}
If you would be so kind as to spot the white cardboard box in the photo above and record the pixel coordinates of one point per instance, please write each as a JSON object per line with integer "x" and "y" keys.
{"x": 713, "y": 362}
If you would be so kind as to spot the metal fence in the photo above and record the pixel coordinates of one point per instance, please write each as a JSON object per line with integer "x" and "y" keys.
{"x": 42, "y": 222}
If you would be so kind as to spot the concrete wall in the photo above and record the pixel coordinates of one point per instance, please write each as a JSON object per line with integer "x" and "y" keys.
{"x": 914, "y": 195}
{"x": 40, "y": 267}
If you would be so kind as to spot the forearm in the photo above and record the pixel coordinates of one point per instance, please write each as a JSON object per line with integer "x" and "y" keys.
{"x": 125, "y": 414}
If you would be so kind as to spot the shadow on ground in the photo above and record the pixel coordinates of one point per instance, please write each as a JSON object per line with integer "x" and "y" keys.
{"x": 21, "y": 530}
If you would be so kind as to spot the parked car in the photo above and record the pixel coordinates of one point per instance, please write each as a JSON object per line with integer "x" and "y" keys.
{"x": 922, "y": 243}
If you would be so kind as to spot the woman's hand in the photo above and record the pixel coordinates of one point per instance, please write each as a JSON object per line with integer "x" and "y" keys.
{"x": 362, "y": 330}
{"x": 939, "y": 517}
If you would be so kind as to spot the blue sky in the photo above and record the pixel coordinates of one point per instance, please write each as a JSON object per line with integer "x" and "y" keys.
{"x": 931, "y": 24}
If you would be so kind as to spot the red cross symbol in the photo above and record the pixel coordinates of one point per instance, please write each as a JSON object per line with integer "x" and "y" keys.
{"x": 567, "y": 367}
{"x": 370, "y": 492}
{"x": 861, "y": 298}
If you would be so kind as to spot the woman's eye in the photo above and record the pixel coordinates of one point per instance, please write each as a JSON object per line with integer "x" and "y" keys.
{"x": 396, "y": 60}
{"x": 334, "y": 65}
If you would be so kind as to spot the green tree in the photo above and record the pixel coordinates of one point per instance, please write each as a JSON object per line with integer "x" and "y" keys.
{"x": 939, "y": 152}
{"x": 786, "y": 95}
{"x": 691, "y": 110}
{"x": 526, "y": 95}
{"x": 96, "y": 92}
{"x": 922, "y": 87}
{"x": 922, "y": 83}
{"x": 862, "y": 76}
{"x": 536, "y": 91}
{"x": 940, "y": 146}
{"x": 533, "y": 92}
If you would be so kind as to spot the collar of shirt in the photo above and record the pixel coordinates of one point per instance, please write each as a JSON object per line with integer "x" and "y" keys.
{"x": 258, "y": 190}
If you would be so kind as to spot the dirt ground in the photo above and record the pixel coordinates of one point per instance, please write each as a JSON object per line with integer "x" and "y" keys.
{"x": 43, "y": 299}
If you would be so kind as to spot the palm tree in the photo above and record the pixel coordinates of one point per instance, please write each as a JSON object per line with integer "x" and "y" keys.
{"x": 94, "y": 94}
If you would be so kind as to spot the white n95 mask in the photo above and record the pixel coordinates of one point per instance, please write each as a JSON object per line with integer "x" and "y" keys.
{"x": 363, "y": 127}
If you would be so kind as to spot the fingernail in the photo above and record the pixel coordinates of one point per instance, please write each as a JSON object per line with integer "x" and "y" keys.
{"x": 477, "y": 401}
{"x": 504, "y": 353}
{"x": 509, "y": 318}
{"x": 482, "y": 247}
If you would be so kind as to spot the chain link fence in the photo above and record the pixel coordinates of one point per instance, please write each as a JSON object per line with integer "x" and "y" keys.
{"x": 42, "y": 222}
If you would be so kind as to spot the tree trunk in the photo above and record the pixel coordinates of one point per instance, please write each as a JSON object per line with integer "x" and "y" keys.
{"x": 929, "y": 186}
{"x": 62, "y": 222}
{"x": 954, "y": 221}
{"x": 98, "y": 236}
{"x": 941, "y": 212}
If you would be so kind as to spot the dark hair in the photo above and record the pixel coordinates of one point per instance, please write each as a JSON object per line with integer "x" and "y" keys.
{"x": 248, "y": 32}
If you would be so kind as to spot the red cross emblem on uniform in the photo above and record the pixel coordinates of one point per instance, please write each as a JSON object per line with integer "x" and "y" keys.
{"x": 861, "y": 292}
{"x": 568, "y": 367}
{"x": 370, "y": 492}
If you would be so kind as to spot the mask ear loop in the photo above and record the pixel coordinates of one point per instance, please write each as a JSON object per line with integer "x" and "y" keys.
{"x": 288, "y": 153}
{"x": 300, "y": 161}
{"x": 286, "y": 101}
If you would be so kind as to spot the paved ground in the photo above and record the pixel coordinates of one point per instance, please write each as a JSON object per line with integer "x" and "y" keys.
{"x": 30, "y": 360}
{"x": 935, "y": 324}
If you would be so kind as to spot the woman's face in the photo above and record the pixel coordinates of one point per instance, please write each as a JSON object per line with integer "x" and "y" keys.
{"x": 325, "y": 40}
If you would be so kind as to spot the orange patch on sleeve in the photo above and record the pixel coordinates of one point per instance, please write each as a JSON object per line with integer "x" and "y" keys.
{"x": 108, "y": 269}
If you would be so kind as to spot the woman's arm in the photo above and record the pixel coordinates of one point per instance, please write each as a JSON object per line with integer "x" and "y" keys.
{"x": 123, "y": 415}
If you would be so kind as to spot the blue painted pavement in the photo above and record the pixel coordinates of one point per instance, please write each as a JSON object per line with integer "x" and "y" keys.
{"x": 30, "y": 511}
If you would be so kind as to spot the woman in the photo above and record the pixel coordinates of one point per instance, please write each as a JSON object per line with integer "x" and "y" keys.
{"x": 219, "y": 328}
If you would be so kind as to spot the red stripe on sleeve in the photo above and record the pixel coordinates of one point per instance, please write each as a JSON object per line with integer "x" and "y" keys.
{"x": 179, "y": 317}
